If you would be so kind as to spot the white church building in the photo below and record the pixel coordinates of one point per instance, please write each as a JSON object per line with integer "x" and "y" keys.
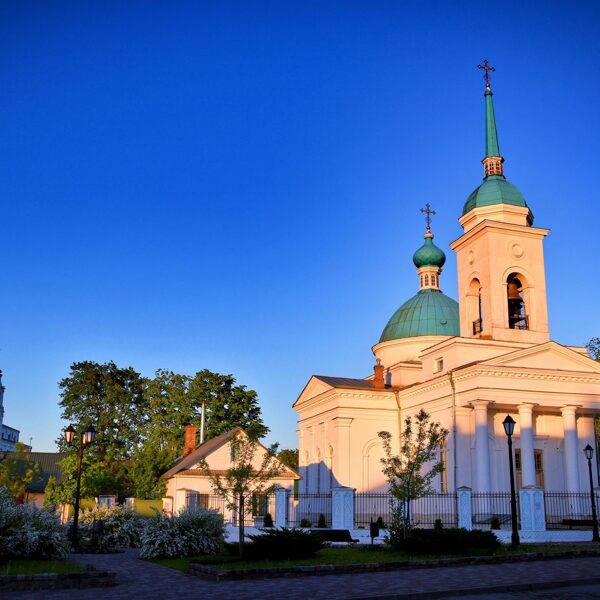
{"x": 467, "y": 363}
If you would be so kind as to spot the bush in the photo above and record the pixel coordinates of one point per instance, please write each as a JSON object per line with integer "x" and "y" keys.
{"x": 437, "y": 524}
{"x": 268, "y": 522}
{"x": 447, "y": 541}
{"x": 282, "y": 544}
{"x": 191, "y": 532}
{"x": 380, "y": 523}
{"x": 121, "y": 528}
{"x": 322, "y": 523}
{"x": 30, "y": 532}
{"x": 305, "y": 523}
{"x": 495, "y": 523}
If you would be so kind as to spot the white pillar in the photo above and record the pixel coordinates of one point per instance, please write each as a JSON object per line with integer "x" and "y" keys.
{"x": 571, "y": 452}
{"x": 526, "y": 437}
{"x": 462, "y": 451}
{"x": 482, "y": 446}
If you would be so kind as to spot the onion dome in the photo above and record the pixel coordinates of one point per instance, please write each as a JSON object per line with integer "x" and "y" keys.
{"x": 429, "y": 255}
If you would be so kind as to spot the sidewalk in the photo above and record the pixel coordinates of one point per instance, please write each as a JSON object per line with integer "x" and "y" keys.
{"x": 138, "y": 578}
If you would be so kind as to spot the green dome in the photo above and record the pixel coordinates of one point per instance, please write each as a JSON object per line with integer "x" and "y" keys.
{"x": 429, "y": 255}
{"x": 427, "y": 313}
{"x": 494, "y": 190}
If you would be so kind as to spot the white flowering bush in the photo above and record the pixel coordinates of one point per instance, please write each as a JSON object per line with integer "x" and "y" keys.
{"x": 121, "y": 528}
{"x": 29, "y": 532}
{"x": 192, "y": 532}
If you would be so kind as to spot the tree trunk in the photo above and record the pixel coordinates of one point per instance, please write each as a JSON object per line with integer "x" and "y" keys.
{"x": 241, "y": 526}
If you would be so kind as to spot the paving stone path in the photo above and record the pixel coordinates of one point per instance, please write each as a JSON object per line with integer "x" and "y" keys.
{"x": 141, "y": 579}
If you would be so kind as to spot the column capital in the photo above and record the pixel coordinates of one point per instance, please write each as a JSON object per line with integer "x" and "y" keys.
{"x": 570, "y": 409}
{"x": 481, "y": 404}
{"x": 526, "y": 407}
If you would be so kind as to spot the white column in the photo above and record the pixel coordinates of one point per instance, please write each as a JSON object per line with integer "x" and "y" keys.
{"x": 482, "y": 446}
{"x": 571, "y": 452}
{"x": 462, "y": 453}
{"x": 526, "y": 437}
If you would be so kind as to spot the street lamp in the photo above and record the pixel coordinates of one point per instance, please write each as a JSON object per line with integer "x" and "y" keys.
{"x": 509, "y": 428}
{"x": 87, "y": 438}
{"x": 589, "y": 453}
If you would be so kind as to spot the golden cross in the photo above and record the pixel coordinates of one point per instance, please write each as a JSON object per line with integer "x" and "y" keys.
{"x": 428, "y": 212}
{"x": 486, "y": 67}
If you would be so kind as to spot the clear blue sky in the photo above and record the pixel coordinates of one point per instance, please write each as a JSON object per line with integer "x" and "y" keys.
{"x": 236, "y": 186}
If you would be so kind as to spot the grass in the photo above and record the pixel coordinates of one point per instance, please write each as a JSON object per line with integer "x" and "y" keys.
{"x": 26, "y": 566}
{"x": 343, "y": 556}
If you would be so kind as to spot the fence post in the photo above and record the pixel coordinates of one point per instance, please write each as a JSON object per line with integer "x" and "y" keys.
{"x": 342, "y": 508}
{"x": 533, "y": 516}
{"x": 465, "y": 515}
{"x": 281, "y": 505}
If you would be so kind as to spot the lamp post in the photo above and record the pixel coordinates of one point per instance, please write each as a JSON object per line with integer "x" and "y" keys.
{"x": 589, "y": 453}
{"x": 509, "y": 428}
{"x": 87, "y": 438}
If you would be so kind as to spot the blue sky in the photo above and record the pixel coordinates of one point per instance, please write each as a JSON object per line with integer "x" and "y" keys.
{"x": 236, "y": 186}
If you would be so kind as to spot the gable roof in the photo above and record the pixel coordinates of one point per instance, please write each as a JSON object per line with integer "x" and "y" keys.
{"x": 49, "y": 467}
{"x": 184, "y": 463}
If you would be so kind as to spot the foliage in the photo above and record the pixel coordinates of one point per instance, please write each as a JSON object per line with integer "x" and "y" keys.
{"x": 380, "y": 523}
{"x": 321, "y": 522}
{"x": 283, "y": 544}
{"x": 495, "y": 523}
{"x": 289, "y": 457}
{"x": 268, "y": 522}
{"x": 17, "y": 471}
{"x": 447, "y": 541}
{"x": 411, "y": 472}
{"x": 249, "y": 475}
{"x": 190, "y": 533}
{"x": 593, "y": 348}
{"x": 28, "y": 566}
{"x": 121, "y": 528}
{"x": 437, "y": 524}
{"x": 305, "y": 523}
{"x": 29, "y": 532}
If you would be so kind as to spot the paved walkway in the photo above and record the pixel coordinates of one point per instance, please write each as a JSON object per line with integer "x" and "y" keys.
{"x": 141, "y": 579}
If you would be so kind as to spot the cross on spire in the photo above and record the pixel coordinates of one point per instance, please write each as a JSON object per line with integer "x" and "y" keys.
{"x": 428, "y": 212}
{"x": 486, "y": 67}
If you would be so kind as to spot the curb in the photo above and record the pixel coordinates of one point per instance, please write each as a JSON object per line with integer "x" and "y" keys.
{"x": 57, "y": 581}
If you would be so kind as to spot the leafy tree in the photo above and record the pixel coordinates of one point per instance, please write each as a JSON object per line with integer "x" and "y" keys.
{"x": 17, "y": 471}
{"x": 252, "y": 469}
{"x": 411, "y": 472}
{"x": 593, "y": 348}
{"x": 289, "y": 457}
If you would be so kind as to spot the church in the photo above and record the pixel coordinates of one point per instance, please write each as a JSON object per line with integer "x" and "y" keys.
{"x": 467, "y": 363}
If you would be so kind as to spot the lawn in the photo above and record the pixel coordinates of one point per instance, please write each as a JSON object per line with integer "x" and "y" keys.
{"x": 343, "y": 556}
{"x": 27, "y": 566}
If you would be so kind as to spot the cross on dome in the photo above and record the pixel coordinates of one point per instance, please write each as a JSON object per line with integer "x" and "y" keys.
{"x": 428, "y": 212}
{"x": 486, "y": 67}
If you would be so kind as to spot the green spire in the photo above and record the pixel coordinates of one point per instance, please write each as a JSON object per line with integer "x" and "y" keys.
{"x": 491, "y": 134}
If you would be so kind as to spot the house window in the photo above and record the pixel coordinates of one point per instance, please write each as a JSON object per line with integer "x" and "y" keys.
{"x": 259, "y": 504}
{"x": 444, "y": 473}
{"x": 439, "y": 365}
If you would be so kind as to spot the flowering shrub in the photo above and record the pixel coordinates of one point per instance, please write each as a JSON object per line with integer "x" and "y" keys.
{"x": 192, "y": 532}
{"x": 121, "y": 528}
{"x": 29, "y": 532}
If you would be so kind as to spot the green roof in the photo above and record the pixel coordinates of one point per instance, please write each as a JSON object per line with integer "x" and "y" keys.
{"x": 427, "y": 313}
{"x": 495, "y": 189}
{"x": 429, "y": 255}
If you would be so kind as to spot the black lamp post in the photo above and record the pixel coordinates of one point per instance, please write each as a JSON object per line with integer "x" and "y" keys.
{"x": 87, "y": 438}
{"x": 589, "y": 453}
{"x": 509, "y": 428}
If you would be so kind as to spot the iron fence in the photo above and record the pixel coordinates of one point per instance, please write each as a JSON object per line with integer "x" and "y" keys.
{"x": 259, "y": 506}
{"x": 304, "y": 510}
{"x": 491, "y": 510}
{"x": 568, "y": 510}
{"x": 424, "y": 511}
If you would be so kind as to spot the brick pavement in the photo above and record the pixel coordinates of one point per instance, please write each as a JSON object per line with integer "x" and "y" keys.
{"x": 138, "y": 578}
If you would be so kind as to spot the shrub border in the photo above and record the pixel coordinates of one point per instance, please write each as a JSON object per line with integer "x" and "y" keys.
{"x": 57, "y": 581}
{"x": 201, "y": 570}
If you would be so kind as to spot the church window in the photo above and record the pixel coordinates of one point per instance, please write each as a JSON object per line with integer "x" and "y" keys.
{"x": 426, "y": 279}
{"x": 421, "y": 280}
{"x": 517, "y": 316}
{"x": 439, "y": 365}
{"x": 444, "y": 473}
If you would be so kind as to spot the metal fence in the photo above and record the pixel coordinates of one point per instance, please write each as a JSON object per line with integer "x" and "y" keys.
{"x": 259, "y": 506}
{"x": 492, "y": 510}
{"x": 304, "y": 510}
{"x": 568, "y": 510}
{"x": 424, "y": 512}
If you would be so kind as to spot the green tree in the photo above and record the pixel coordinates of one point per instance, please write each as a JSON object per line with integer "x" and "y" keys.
{"x": 289, "y": 457}
{"x": 17, "y": 471}
{"x": 593, "y": 348}
{"x": 411, "y": 472}
{"x": 250, "y": 476}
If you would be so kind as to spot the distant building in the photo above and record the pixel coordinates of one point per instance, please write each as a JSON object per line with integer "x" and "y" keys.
{"x": 49, "y": 463}
{"x": 9, "y": 436}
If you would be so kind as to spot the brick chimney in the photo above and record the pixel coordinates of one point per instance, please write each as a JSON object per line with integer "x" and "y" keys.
{"x": 378, "y": 380}
{"x": 190, "y": 439}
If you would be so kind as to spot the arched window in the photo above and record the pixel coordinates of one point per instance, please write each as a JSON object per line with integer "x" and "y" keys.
{"x": 426, "y": 279}
{"x": 517, "y": 313}
{"x": 474, "y": 307}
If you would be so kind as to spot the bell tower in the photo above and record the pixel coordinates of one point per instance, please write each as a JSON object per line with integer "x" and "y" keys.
{"x": 500, "y": 256}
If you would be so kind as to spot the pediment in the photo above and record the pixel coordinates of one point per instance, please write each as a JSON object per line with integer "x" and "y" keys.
{"x": 549, "y": 355}
{"x": 314, "y": 387}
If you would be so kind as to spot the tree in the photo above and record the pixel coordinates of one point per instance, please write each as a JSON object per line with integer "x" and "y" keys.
{"x": 17, "y": 471}
{"x": 593, "y": 348}
{"x": 410, "y": 473}
{"x": 249, "y": 477}
{"x": 289, "y": 457}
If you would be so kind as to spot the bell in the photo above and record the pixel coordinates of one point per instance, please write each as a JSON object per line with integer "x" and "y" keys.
{"x": 513, "y": 292}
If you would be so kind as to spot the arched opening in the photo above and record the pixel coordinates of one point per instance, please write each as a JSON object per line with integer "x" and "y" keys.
{"x": 517, "y": 313}
{"x": 475, "y": 312}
